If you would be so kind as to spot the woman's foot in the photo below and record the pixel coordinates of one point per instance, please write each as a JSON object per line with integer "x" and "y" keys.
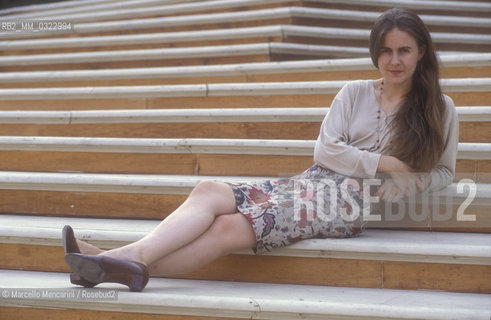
{"x": 101, "y": 268}
{"x": 71, "y": 245}
{"x": 69, "y": 241}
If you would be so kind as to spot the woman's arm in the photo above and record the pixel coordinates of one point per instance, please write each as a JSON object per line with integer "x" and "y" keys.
{"x": 405, "y": 182}
{"x": 332, "y": 149}
{"x": 443, "y": 174}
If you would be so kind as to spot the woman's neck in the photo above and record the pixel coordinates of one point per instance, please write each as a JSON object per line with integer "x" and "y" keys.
{"x": 391, "y": 96}
{"x": 394, "y": 91}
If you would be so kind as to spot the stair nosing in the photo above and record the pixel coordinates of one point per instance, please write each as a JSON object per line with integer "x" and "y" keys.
{"x": 312, "y": 114}
{"x": 258, "y": 300}
{"x": 222, "y": 34}
{"x": 466, "y": 150}
{"x": 91, "y": 4}
{"x": 263, "y": 14}
{"x": 162, "y": 184}
{"x": 372, "y": 244}
{"x": 450, "y": 5}
{"x": 241, "y": 69}
{"x": 215, "y": 89}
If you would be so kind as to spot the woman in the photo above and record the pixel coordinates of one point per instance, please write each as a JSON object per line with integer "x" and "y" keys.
{"x": 399, "y": 125}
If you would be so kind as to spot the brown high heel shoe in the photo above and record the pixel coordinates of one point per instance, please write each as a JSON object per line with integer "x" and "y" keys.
{"x": 100, "y": 268}
{"x": 70, "y": 246}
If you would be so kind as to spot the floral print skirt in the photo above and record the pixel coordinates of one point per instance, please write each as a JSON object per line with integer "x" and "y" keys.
{"x": 318, "y": 203}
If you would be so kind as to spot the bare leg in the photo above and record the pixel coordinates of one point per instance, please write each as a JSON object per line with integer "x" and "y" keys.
{"x": 194, "y": 217}
{"x": 228, "y": 233}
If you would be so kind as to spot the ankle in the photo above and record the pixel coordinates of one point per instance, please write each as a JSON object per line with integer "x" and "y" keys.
{"x": 129, "y": 252}
{"x": 87, "y": 248}
{"x": 138, "y": 255}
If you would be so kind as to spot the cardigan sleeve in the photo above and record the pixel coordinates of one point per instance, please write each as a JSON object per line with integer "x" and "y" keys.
{"x": 443, "y": 174}
{"x": 332, "y": 149}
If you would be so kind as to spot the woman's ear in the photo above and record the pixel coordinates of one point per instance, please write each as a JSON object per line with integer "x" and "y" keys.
{"x": 422, "y": 51}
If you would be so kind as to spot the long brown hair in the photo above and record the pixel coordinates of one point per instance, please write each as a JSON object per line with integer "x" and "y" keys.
{"x": 418, "y": 124}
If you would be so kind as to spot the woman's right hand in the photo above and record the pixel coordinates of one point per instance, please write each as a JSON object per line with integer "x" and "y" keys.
{"x": 404, "y": 181}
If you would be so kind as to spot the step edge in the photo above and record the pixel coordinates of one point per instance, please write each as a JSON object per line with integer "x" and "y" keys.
{"x": 371, "y": 245}
{"x": 260, "y": 304}
{"x": 314, "y": 114}
{"x": 219, "y": 89}
{"x": 282, "y": 67}
{"x": 155, "y": 183}
{"x": 468, "y": 151}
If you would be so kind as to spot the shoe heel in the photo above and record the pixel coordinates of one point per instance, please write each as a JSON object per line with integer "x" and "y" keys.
{"x": 79, "y": 281}
{"x": 137, "y": 282}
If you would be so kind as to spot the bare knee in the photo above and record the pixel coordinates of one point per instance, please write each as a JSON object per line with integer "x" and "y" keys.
{"x": 204, "y": 188}
{"x": 213, "y": 195}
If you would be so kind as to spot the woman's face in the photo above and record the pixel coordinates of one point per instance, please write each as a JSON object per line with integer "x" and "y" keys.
{"x": 399, "y": 57}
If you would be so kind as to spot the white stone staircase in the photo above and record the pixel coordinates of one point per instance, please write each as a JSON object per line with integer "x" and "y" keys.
{"x": 107, "y": 129}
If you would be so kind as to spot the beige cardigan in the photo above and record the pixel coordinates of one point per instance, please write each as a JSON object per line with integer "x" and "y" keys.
{"x": 348, "y": 135}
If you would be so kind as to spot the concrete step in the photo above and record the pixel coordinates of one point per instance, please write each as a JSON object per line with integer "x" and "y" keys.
{"x": 261, "y": 123}
{"x": 269, "y": 123}
{"x": 458, "y": 66}
{"x": 152, "y": 8}
{"x": 330, "y": 17}
{"x": 373, "y": 244}
{"x": 202, "y": 55}
{"x": 286, "y": 33}
{"x": 384, "y": 255}
{"x": 248, "y": 300}
{"x": 183, "y": 156}
{"x": 284, "y": 15}
{"x": 189, "y": 156}
{"x": 115, "y": 195}
{"x": 471, "y": 9}
{"x": 155, "y": 10}
{"x": 171, "y": 9}
{"x": 152, "y": 184}
{"x": 420, "y": 5}
{"x": 56, "y": 8}
{"x": 465, "y": 114}
{"x": 284, "y": 94}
